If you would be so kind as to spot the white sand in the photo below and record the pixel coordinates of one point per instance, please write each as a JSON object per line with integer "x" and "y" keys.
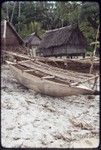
{"x": 30, "y": 119}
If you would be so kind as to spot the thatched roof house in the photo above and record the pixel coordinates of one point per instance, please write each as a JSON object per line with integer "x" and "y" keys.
{"x": 32, "y": 40}
{"x": 65, "y": 41}
{"x": 10, "y": 39}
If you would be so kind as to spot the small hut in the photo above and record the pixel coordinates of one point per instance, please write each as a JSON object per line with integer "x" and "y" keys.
{"x": 10, "y": 39}
{"x": 66, "y": 41}
{"x": 32, "y": 41}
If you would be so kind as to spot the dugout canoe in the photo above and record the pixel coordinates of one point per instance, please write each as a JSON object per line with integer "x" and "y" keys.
{"x": 46, "y": 83}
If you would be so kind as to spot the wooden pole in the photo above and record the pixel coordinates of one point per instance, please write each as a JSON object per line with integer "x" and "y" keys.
{"x": 19, "y": 17}
{"x": 7, "y": 16}
{"x": 4, "y": 40}
{"x": 92, "y": 58}
{"x": 95, "y": 82}
{"x": 77, "y": 83}
{"x": 62, "y": 22}
{"x": 13, "y": 12}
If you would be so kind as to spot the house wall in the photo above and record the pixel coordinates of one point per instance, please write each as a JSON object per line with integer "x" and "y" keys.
{"x": 11, "y": 38}
{"x": 11, "y": 43}
{"x": 33, "y": 51}
{"x": 69, "y": 43}
{"x": 35, "y": 41}
{"x": 63, "y": 50}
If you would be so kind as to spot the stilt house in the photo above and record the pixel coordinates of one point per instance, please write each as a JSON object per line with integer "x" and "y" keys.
{"x": 66, "y": 41}
{"x": 32, "y": 41}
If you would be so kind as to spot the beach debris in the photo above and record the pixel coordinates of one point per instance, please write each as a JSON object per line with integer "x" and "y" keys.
{"x": 83, "y": 125}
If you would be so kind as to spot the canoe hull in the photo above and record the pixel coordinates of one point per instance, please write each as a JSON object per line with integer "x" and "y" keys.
{"x": 45, "y": 86}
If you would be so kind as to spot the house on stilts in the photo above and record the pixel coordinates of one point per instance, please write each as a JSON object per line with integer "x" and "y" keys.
{"x": 66, "y": 41}
{"x": 32, "y": 41}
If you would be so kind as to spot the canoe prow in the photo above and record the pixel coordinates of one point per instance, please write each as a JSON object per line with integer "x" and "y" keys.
{"x": 96, "y": 92}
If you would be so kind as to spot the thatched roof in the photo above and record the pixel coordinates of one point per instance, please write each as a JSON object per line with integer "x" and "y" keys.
{"x": 12, "y": 28}
{"x": 32, "y": 39}
{"x": 62, "y": 36}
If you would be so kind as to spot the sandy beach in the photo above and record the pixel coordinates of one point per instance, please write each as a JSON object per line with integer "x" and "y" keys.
{"x": 30, "y": 119}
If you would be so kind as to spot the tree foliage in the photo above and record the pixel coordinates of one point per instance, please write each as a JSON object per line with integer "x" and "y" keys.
{"x": 38, "y": 16}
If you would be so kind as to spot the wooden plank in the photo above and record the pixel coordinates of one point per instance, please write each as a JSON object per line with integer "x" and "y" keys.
{"x": 64, "y": 72}
{"x": 48, "y": 77}
{"x": 22, "y": 61}
{"x": 45, "y": 71}
{"x": 53, "y": 71}
{"x": 10, "y": 63}
{"x": 23, "y": 56}
{"x": 44, "y": 74}
{"x": 29, "y": 70}
{"x": 77, "y": 83}
{"x": 17, "y": 54}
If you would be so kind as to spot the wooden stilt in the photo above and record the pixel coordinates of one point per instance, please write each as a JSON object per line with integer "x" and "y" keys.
{"x": 4, "y": 41}
{"x": 95, "y": 82}
{"x": 92, "y": 58}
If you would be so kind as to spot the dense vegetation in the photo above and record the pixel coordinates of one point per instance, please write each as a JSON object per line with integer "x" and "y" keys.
{"x": 38, "y": 16}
